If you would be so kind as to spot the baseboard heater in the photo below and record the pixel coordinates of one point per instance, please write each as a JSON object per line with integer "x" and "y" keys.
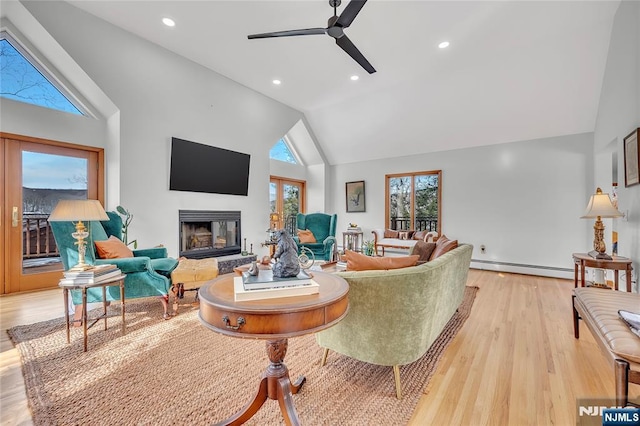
{"x": 521, "y": 268}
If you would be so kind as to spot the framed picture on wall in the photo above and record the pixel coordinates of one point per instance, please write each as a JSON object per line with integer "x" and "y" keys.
{"x": 632, "y": 158}
{"x": 355, "y": 196}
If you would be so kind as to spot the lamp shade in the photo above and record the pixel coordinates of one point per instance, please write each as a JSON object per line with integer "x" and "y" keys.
{"x": 600, "y": 205}
{"x": 73, "y": 210}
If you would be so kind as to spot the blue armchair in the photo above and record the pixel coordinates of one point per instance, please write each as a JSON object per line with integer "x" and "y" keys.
{"x": 147, "y": 274}
{"x": 323, "y": 228}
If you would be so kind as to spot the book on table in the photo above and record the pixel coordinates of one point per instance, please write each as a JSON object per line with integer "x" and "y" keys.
{"x": 272, "y": 293}
{"x": 95, "y": 271}
{"x": 265, "y": 280}
{"x": 88, "y": 279}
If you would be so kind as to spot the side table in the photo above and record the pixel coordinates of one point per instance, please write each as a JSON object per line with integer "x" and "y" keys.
{"x": 618, "y": 263}
{"x": 352, "y": 240}
{"x": 119, "y": 280}
{"x": 274, "y": 320}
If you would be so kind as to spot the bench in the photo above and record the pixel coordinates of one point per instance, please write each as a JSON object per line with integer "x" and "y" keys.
{"x": 598, "y": 309}
{"x": 380, "y": 241}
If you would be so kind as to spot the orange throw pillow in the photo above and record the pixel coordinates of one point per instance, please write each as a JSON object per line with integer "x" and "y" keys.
{"x": 112, "y": 248}
{"x": 360, "y": 262}
{"x": 443, "y": 245}
{"x": 390, "y": 233}
{"x": 306, "y": 236}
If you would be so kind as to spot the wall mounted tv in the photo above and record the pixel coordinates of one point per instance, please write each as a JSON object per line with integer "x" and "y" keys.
{"x": 197, "y": 167}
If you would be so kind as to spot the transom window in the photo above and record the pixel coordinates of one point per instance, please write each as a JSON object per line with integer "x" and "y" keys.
{"x": 414, "y": 201}
{"x": 281, "y": 152}
{"x": 24, "y": 79}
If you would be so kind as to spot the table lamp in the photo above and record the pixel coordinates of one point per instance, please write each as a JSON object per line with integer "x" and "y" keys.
{"x": 600, "y": 206}
{"x": 78, "y": 211}
{"x": 274, "y": 220}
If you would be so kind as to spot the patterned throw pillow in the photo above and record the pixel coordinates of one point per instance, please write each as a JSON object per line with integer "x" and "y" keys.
{"x": 306, "y": 236}
{"x": 112, "y": 248}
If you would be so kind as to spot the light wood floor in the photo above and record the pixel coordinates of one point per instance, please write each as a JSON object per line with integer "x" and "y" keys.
{"x": 515, "y": 361}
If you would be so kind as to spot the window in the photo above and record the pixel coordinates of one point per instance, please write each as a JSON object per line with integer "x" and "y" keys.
{"x": 414, "y": 201}
{"x": 23, "y": 79}
{"x": 281, "y": 152}
{"x": 287, "y": 197}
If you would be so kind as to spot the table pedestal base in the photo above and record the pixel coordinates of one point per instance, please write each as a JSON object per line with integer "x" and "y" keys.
{"x": 274, "y": 384}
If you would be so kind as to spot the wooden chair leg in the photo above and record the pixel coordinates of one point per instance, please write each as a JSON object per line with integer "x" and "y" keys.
{"x": 576, "y": 318}
{"x": 396, "y": 375}
{"x": 622, "y": 382}
{"x": 325, "y": 353}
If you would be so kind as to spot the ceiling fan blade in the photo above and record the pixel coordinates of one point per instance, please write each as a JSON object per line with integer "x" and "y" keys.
{"x": 353, "y": 51}
{"x": 289, "y": 33}
{"x": 350, "y": 12}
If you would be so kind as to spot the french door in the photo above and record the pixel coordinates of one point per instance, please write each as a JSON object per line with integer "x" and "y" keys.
{"x": 287, "y": 198}
{"x": 38, "y": 173}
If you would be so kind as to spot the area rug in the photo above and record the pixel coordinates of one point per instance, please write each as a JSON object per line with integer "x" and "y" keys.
{"x": 179, "y": 372}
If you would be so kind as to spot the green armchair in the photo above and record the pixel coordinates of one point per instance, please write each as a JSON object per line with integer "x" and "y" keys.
{"x": 147, "y": 274}
{"x": 323, "y": 227}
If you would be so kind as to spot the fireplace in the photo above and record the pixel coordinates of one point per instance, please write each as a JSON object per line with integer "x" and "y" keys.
{"x": 209, "y": 233}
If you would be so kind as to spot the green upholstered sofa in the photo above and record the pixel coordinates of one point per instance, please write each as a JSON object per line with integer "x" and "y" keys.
{"x": 147, "y": 273}
{"x": 395, "y": 315}
{"x": 323, "y": 227}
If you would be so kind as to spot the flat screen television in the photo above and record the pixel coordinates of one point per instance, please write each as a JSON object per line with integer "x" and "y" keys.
{"x": 197, "y": 167}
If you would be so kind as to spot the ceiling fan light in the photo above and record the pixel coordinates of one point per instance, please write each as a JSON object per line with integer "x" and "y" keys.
{"x": 443, "y": 45}
{"x": 169, "y": 22}
{"x": 277, "y": 82}
{"x": 354, "y": 77}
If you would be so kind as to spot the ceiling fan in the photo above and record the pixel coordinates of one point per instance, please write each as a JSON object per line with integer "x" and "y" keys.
{"x": 335, "y": 28}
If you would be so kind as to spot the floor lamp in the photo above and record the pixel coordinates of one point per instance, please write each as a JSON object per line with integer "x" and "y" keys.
{"x": 78, "y": 211}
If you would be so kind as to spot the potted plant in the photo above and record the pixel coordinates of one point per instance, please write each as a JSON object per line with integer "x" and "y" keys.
{"x": 368, "y": 247}
{"x": 127, "y": 217}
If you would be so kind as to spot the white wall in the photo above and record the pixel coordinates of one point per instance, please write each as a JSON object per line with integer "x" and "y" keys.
{"x": 39, "y": 122}
{"x": 522, "y": 200}
{"x": 160, "y": 95}
{"x": 618, "y": 115}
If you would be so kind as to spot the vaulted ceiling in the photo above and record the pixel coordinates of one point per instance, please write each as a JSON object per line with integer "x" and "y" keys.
{"x": 514, "y": 70}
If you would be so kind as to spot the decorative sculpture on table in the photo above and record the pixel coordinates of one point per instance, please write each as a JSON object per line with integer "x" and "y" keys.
{"x": 286, "y": 256}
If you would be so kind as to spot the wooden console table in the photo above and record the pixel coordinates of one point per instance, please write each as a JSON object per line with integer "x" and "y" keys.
{"x": 618, "y": 263}
{"x": 274, "y": 320}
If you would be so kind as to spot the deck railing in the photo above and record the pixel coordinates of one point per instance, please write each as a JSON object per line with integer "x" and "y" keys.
{"x": 421, "y": 223}
{"x": 37, "y": 237}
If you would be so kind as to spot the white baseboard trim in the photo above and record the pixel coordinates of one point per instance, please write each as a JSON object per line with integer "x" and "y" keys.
{"x": 517, "y": 268}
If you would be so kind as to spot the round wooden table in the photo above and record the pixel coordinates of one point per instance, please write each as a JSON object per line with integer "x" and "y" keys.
{"x": 274, "y": 320}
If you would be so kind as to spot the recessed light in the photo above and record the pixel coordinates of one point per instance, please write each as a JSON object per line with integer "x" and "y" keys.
{"x": 277, "y": 82}
{"x": 354, "y": 77}
{"x": 169, "y": 22}
{"x": 443, "y": 45}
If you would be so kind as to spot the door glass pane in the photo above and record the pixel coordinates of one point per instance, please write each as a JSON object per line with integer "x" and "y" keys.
{"x": 290, "y": 206}
{"x": 400, "y": 202}
{"x": 273, "y": 197}
{"x": 46, "y": 179}
{"x": 426, "y": 202}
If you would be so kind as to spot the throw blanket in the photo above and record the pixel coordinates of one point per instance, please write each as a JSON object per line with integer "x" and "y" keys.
{"x": 632, "y": 319}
